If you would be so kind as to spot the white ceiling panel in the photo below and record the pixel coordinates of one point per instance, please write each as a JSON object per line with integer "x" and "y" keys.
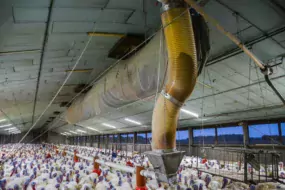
{"x": 81, "y": 3}
{"x": 76, "y": 14}
{"x": 115, "y": 15}
{"x": 72, "y": 27}
{"x": 24, "y": 14}
{"x": 125, "y": 4}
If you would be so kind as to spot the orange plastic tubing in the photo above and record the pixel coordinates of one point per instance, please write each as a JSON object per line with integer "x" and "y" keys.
{"x": 182, "y": 75}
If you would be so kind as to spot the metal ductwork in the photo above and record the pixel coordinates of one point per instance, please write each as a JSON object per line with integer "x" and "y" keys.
{"x": 137, "y": 78}
{"x": 182, "y": 75}
{"x": 129, "y": 81}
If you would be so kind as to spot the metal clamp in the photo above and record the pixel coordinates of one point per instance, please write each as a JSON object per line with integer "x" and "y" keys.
{"x": 171, "y": 99}
{"x": 169, "y": 4}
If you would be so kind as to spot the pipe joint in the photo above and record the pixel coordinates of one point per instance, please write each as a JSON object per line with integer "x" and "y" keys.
{"x": 171, "y": 99}
{"x": 170, "y": 4}
{"x": 267, "y": 71}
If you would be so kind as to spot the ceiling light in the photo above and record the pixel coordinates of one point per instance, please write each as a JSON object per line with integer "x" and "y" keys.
{"x": 10, "y": 128}
{"x": 2, "y": 120}
{"x": 12, "y": 131}
{"x": 5, "y": 125}
{"x": 73, "y": 132}
{"x": 132, "y": 121}
{"x": 63, "y": 134}
{"x": 93, "y": 129}
{"x": 107, "y": 125}
{"x": 189, "y": 112}
{"x": 81, "y": 131}
{"x": 67, "y": 133}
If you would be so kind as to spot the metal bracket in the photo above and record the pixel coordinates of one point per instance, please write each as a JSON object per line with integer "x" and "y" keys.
{"x": 171, "y": 99}
{"x": 165, "y": 164}
{"x": 169, "y": 4}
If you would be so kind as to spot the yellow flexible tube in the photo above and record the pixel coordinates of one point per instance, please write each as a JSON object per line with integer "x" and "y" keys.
{"x": 182, "y": 75}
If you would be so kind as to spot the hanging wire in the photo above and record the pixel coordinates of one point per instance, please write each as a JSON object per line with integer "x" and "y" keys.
{"x": 202, "y": 112}
{"x": 97, "y": 78}
{"x": 249, "y": 82}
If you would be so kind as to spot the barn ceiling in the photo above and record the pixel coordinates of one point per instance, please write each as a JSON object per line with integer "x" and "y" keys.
{"x": 40, "y": 45}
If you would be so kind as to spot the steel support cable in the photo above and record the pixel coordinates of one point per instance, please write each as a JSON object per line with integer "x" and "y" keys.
{"x": 252, "y": 24}
{"x": 55, "y": 96}
{"x": 127, "y": 54}
{"x": 265, "y": 70}
{"x": 100, "y": 76}
{"x": 268, "y": 81}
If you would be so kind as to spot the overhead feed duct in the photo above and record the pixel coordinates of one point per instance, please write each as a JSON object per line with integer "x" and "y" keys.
{"x": 129, "y": 81}
{"x": 182, "y": 75}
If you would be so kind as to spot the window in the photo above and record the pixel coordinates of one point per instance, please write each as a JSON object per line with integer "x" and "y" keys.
{"x": 124, "y": 138}
{"x": 149, "y": 137}
{"x": 182, "y": 137}
{"x": 230, "y": 135}
{"x": 105, "y": 139}
{"x": 110, "y": 138}
{"x": 116, "y": 139}
{"x": 206, "y": 136}
{"x": 263, "y": 134}
{"x": 101, "y": 139}
{"x": 95, "y": 138}
{"x": 141, "y": 138}
{"x": 130, "y": 138}
{"x": 283, "y": 132}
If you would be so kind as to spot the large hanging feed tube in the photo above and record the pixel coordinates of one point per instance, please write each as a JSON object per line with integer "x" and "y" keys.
{"x": 182, "y": 75}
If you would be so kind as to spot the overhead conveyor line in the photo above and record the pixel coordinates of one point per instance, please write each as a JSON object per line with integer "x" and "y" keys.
{"x": 266, "y": 70}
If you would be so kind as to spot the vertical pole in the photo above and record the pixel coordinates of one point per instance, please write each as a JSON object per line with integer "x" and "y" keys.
{"x": 265, "y": 166}
{"x": 141, "y": 181}
{"x": 216, "y": 136}
{"x": 280, "y": 132}
{"x": 245, "y": 167}
{"x": 75, "y": 157}
{"x": 273, "y": 164}
{"x": 245, "y": 134}
{"x": 259, "y": 165}
{"x": 190, "y": 143}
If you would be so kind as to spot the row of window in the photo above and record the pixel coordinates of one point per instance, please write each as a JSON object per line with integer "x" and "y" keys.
{"x": 182, "y": 137}
{"x": 273, "y": 133}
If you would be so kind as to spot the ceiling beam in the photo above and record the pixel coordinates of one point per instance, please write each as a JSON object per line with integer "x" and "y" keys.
{"x": 236, "y": 51}
{"x": 42, "y": 56}
{"x": 251, "y": 23}
{"x": 104, "y": 34}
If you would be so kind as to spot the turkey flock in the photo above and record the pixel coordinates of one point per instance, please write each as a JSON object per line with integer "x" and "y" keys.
{"x": 45, "y": 167}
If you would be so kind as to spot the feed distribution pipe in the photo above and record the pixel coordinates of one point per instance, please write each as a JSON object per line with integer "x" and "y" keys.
{"x": 264, "y": 69}
{"x": 182, "y": 74}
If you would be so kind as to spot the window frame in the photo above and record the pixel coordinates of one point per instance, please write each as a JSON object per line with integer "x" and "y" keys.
{"x": 230, "y": 126}
{"x": 263, "y": 123}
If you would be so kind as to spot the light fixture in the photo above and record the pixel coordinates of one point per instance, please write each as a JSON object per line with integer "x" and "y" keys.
{"x": 2, "y": 120}
{"x": 73, "y": 132}
{"x": 107, "y": 125}
{"x": 14, "y": 131}
{"x": 81, "y": 131}
{"x": 93, "y": 129}
{"x": 67, "y": 133}
{"x": 63, "y": 134}
{"x": 5, "y": 125}
{"x": 10, "y": 128}
{"x": 132, "y": 121}
{"x": 189, "y": 112}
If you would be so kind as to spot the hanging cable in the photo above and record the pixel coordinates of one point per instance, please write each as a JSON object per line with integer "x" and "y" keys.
{"x": 102, "y": 74}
